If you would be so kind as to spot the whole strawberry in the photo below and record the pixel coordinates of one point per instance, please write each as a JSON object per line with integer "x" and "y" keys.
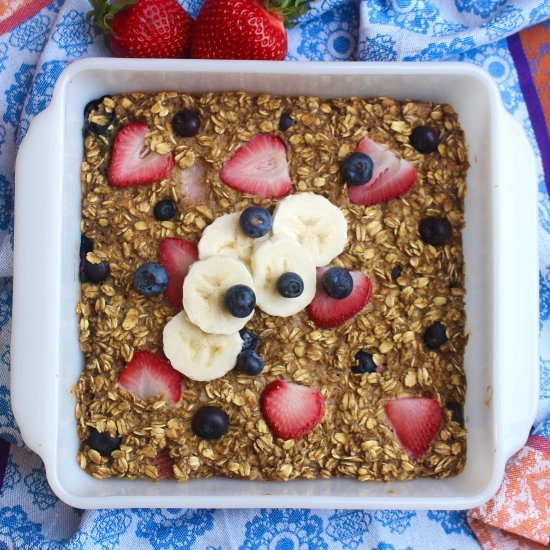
{"x": 244, "y": 29}
{"x": 143, "y": 28}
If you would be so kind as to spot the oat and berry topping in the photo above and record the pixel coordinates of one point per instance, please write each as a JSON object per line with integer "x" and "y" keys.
{"x": 391, "y": 176}
{"x": 415, "y": 421}
{"x": 210, "y": 423}
{"x": 425, "y": 139}
{"x": 365, "y": 363}
{"x": 255, "y": 221}
{"x": 150, "y": 279}
{"x": 434, "y": 230}
{"x": 176, "y": 255}
{"x": 272, "y": 288}
{"x": 291, "y": 410}
{"x": 103, "y": 442}
{"x": 148, "y": 375}
{"x": 250, "y": 362}
{"x": 328, "y": 311}
{"x": 259, "y": 167}
{"x": 165, "y": 210}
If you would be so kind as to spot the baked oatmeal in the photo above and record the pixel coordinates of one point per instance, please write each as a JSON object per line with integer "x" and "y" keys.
{"x": 272, "y": 288}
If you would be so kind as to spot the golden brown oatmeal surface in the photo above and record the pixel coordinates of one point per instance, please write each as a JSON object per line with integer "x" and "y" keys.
{"x": 354, "y": 438}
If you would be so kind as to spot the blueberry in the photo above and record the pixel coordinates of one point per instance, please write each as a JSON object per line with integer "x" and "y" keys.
{"x": 86, "y": 245}
{"x": 93, "y": 105}
{"x": 150, "y": 279}
{"x": 101, "y": 129}
{"x": 239, "y": 300}
{"x": 424, "y": 139}
{"x": 337, "y": 282}
{"x": 186, "y": 123}
{"x": 365, "y": 363}
{"x": 396, "y": 272}
{"x": 435, "y": 231}
{"x": 286, "y": 121}
{"x": 98, "y": 130}
{"x": 250, "y": 362}
{"x": 255, "y": 221}
{"x": 357, "y": 169}
{"x": 96, "y": 273}
{"x": 93, "y": 127}
{"x": 250, "y": 340}
{"x": 210, "y": 423}
{"x": 103, "y": 442}
{"x": 457, "y": 412}
{"x": 290, "y": 285}
{"x": 165, "y": 210}
{"x": 435, "y": 335}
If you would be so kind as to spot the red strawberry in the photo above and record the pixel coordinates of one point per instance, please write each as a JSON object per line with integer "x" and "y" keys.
{"x": 191, "y": 182}
{"x": 164, "y": 463}
{"x": 291, "y": 410}
{"x": 328, "y": 312}
{"x": 143, "y": 28}
{"x": 244, "y": 29}
{"x": 132, "y": 163}
{"x": 415, "y": 422}
{"x": 391, "y": 176}
{"x": 147, "y": 375}
{"x": 176, "y": 255}
{"x": 259, "y": 167}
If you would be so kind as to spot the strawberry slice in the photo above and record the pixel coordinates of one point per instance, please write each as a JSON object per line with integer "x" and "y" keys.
{"x": 176, "y": 255}
{"x": 259, "y": 167}
{"x": 328, "y": 312}
{"x": 391, "y": 176}
{"x": 291, "y": 410}
{"x": 164, "y": 463}
{"x": 147, "y": 375}
{"x": 132, "y": 162}
{"x": 191, "y": 183}
{"x": 415, "y": 422}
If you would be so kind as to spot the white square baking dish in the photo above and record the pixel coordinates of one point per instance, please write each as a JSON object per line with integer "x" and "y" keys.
{"x": 500, "y": 249}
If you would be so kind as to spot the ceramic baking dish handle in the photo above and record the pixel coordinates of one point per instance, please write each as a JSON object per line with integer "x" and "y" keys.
{"x": 518, "y": 288}
{"x": 35, "y": 324}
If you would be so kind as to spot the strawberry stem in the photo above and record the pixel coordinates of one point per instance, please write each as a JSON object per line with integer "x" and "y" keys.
{"x": 288, "y": 10}
{"x": 103, "y": 12}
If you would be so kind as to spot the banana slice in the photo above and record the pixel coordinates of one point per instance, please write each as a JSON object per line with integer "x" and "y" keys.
{"x": 196, "y": 354}
{"x": 224, "y": 237}
{"x": 270, "y": 260}
{"x": 313, "y": 221}
{"x": 204, "y": 288}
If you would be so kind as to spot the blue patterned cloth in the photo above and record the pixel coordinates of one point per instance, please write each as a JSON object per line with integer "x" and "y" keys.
{"x": 32, "y": 56}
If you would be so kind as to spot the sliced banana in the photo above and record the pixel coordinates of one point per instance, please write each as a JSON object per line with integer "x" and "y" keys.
{"x": 224, "y": 237}
{"x": 196, "y": 354}
{"x": 270, "y": 260}
{"x": 204, "y": 288}
{"x": 313, "y": 221}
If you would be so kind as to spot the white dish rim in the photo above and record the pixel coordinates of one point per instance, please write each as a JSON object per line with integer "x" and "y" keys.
{"x": 509, "y": 436}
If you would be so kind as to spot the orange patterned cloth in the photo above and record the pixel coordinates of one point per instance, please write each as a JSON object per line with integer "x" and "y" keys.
{"x": 9, "y": 7}
{"x": 536, "y": 44}
{"x": 13, "y": 12}
{"x": 518, "y": 516}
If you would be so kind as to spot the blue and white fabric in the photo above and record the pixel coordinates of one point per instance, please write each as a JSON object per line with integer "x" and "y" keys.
{"x": 32, "y": 56}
